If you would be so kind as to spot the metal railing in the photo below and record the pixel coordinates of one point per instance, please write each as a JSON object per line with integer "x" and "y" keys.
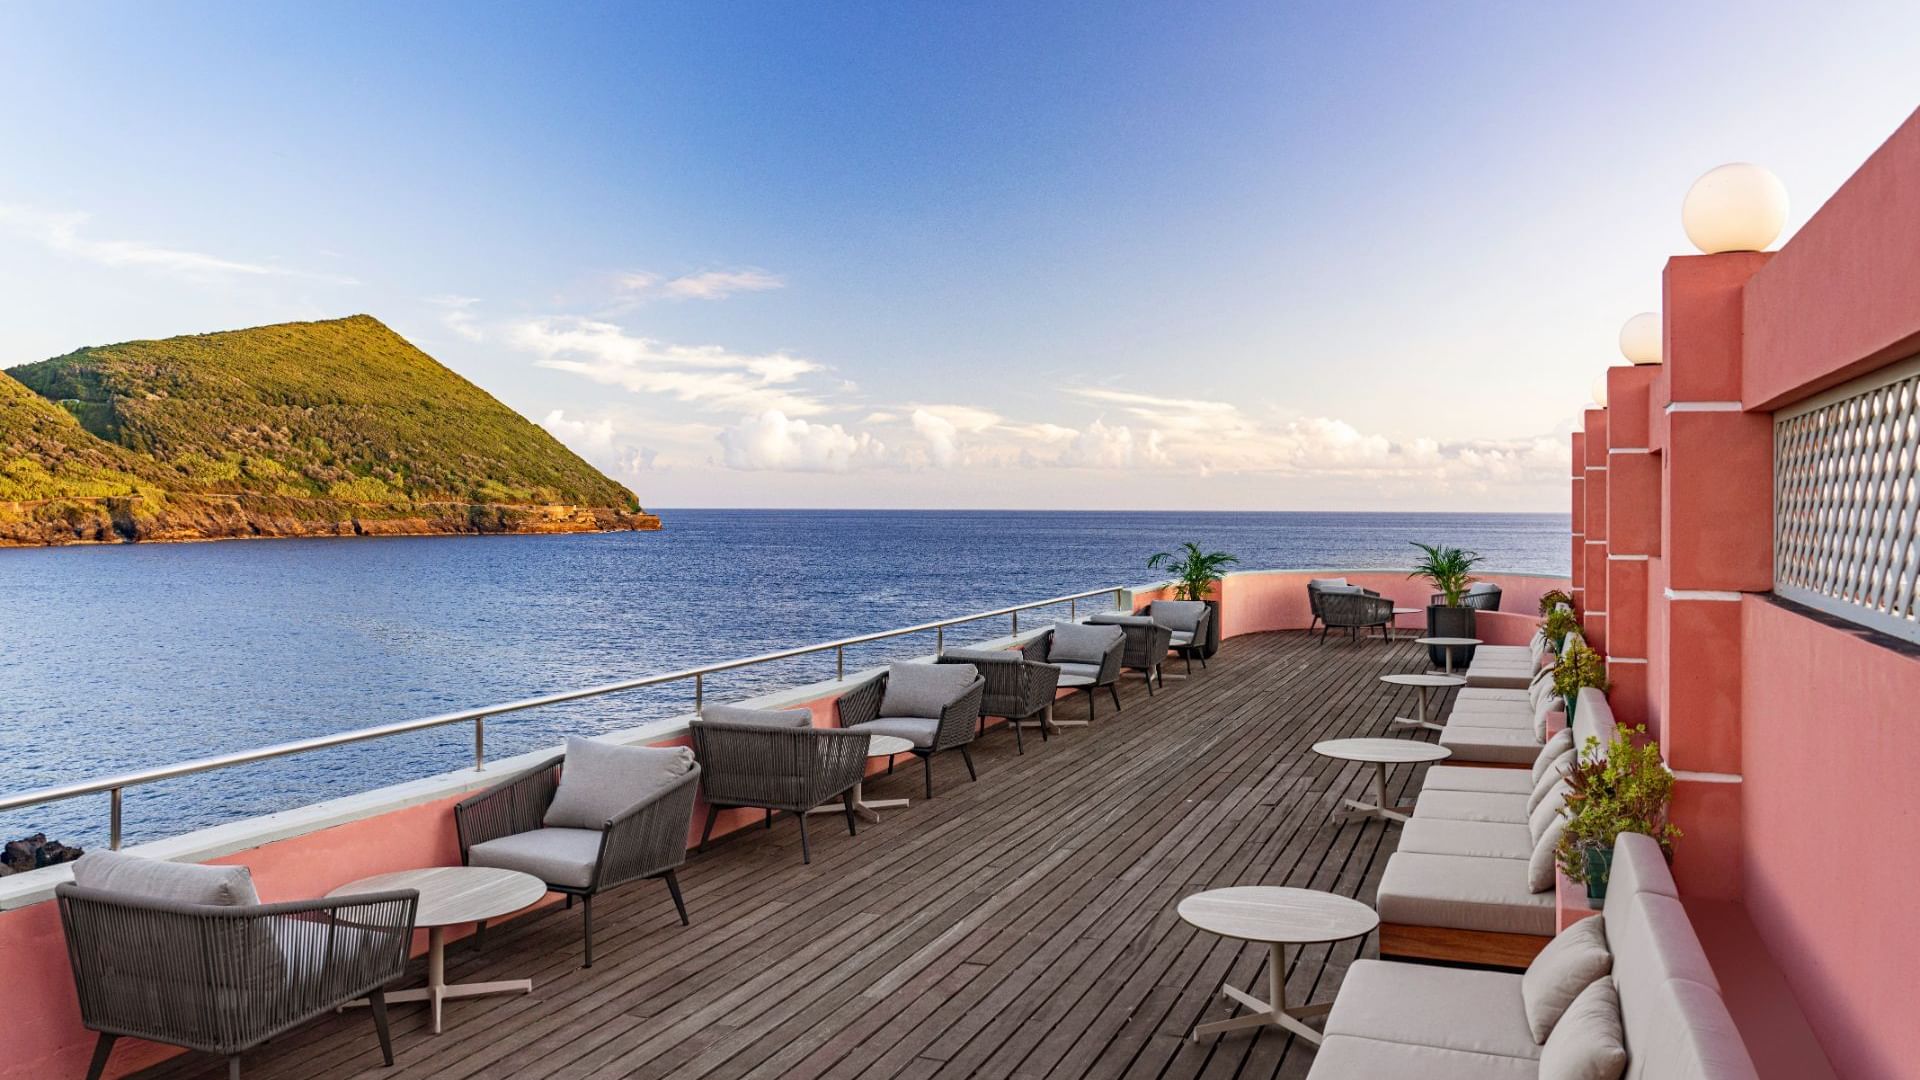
{"x": 116, "y": 786}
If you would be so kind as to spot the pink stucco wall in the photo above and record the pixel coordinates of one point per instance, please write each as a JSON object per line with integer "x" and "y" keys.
{"x": 1277, "y": 600}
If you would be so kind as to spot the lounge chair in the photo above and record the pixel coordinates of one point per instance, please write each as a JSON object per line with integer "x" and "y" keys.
{"x": 1147, "y": 643}
{"x": 1353, "y": 610}
{"x": 1091, "y": 655}
{"x": 775, "y": 759}
{"x": 936, "y": 707}
{"x": 1018, "y": 690}
{"x": 1192, "y": 624}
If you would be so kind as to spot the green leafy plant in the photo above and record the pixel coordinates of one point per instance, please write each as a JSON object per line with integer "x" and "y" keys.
{"x": 1628, "y": 790}
{"x": 1579, "y": 666}
{"x": 1553, "y": 598}
{"x": 1560, "y": 622}
{"x": 1450, "y": 569}
{"x": 1195, "y": 572}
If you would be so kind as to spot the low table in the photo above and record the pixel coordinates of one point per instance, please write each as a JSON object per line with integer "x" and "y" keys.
{"x": 1276, "y": 917}
{"x": 1380, "y": 753}
{"x": 1423, "y": 683}
{"x": 450, "y": 896}
{"x": 878, "y": 746}
{"x": 1447, "y": 645}
{"x": 1397, "y": 612}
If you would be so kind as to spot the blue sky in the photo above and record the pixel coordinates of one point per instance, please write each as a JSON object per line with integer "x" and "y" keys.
{"x": 1131, "y": 256}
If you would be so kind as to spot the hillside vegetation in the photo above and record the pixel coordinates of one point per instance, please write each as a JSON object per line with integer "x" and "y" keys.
{"x": 330, "y": 428}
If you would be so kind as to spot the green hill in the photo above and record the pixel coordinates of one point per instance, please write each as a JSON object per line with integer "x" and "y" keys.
{"x": 327, "y": 427}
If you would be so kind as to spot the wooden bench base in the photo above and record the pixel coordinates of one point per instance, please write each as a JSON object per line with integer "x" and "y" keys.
{"x": 1444, "y": 945}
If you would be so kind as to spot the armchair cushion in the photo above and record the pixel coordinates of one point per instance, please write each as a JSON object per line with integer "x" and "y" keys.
{"x": 556, "y": 856}
{"x": 775, "y": 718}
{"x": 1327, "y": 583}
{"x": 922, "y": 690}
{"x": 600, "y": 780}
{"x": 1084, "y": 671}
{"x": 920, "y": 731}
{"x": 161, "y": 879}
{"x": 1081, "y": 643}
{"x": 1179, "y": 615}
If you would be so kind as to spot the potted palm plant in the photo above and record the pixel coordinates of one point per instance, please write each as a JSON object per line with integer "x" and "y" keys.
{"x": 1628, "y": 790}
{"x": 1196, "y": 574}
{"x": 1449, "y": 570}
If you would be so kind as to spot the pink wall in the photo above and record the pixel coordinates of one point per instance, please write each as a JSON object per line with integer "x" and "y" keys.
{"x": 1829, "y": 758}
{"x": 1277, "y": 600}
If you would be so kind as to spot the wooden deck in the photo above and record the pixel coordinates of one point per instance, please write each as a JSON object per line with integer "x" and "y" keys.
{"x": 1021, "y": 926}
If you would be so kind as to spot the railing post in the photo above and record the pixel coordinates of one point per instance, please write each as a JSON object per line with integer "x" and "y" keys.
{"x": 113, "y": 828}
{"x": 699, "y": 691}
{"x": 840, "y": 663}
{"x": 939, "y": 641}
{"x": 1073, "y": 610}
{"x": 479, "y": 743}
{"x": 1016, "y": 623}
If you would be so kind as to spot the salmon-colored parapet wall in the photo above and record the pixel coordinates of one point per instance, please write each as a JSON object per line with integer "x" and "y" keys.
{"x": 1829, "y": 756}
{"x": 1259, "y": 601}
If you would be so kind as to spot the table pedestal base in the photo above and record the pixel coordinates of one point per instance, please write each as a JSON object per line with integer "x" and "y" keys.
{"x": 438, "y": 989}
{"x": 1279, "y": 1014}
{"x": 1425, "y": 714}
{"x": 866, "y": 808}
{"x": 1378, "y": 808}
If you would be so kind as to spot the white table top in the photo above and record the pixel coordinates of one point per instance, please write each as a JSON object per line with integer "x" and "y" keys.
{"x": 1385, "y": 751}
{"x": 1457, "y": 642}
{"x": 1431, "y": 681}
{"x": 456, "y": 894}
{"x": 887, "y": 745}
{"x": 1277, "y": 915}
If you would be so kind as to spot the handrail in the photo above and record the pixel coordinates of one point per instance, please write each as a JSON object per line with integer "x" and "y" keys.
{"x": 117, "y": 785}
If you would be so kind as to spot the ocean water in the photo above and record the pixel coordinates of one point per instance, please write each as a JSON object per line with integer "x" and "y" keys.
{"x": 124, "y": 657}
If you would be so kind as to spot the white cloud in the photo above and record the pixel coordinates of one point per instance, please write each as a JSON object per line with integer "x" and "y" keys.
{"x": 458, "y": 315}
{"x": 773, "y": 440}
{"x": 580, "y": 434}
{"x": 705, "y": 285}
{"x": 1104, "y": 447}
{"x": 602, "y": 441}
{"x": 61, "y": 232}
{"x": 940, "y": 434}
{"x": 705, "y": 375}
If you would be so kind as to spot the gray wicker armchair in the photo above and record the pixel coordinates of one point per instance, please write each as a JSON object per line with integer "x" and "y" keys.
{"x": 1354, "y": 610}
{"x": 1191, "y": 622}
{"x": 223, "y": 977}
{"x": 1480, "y": 596}
{"x": 934, "y": 706}
{"x": 1147, "y": 643}
{"x": 775, "y": 760}
{"x": 1090, "y": 653}
{"x": 625, "y": 817}
{"x": 1318, "y": 587}
{"x": 1017, "y": 689}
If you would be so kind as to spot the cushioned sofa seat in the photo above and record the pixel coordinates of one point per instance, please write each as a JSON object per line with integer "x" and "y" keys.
{"x": 1477, "y": 1012}
{"x": 1518, "y": 654}
{"x": 1511, "y": 678}
{"x": 1350, "y": 1057}
{"x": 1520, "y": 718}
{"x": 1494, "y": 745}
{"x": 1476, "y": 805}
{"x": 1485, "y": 839}
{"x": 1463, "y": 893}
{"x": 1488, "y": 693}
{"x": 1473, "y": 778}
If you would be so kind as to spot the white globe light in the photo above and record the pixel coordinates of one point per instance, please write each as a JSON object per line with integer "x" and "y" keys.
{"x": 1640, "y": 338}
{"x": 1737, "y": 207}
{"x": 1599, "y": 390}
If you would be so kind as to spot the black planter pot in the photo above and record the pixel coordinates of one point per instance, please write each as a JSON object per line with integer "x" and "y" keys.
{"x": 1213, "y": 630}
{"x": 1450, "y": 622}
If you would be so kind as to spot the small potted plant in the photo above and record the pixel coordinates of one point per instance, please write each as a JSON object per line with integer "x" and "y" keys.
{"x": 1450, "y": 571}
{"x": 1554, "y": 598}
{"x": 1560, "y": 622}
{"x": 1196, "y": 574}
{"x": 1578, "y": 667}
{"x": 1629, "y": 790}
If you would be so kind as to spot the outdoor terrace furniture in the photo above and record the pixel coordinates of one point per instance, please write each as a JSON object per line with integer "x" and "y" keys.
{"x": 935, "y": 707}
{"x": 1089, "y": 657}
{"x": 595, "y": 818}
{"x": 1318, "y": 587}
{"x": 1628, "y": 991}
{"x": 1017, "y": 689}
{"x": 187, "y": 955}
{"x": 1380, "y": 753}
{"x": 1147, "y": 643}
{"x": 1501, "y": 731}
{"x": 1480, "y": 596}
{"x": 774, "y": 759}
{"x": 1425, "y": 684}
{"x": 1354, "y": 610}
{"x": 1192, "y": 624}
{"x": 1473, "y": 878}
{"x": 1275, "y": 917}
{"x": 1509, "y": 667}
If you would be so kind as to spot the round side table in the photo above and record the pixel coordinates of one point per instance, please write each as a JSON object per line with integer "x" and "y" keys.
{"x": 1276, "y": 917}
{"x": 1380, "y": 753}
{"x": 1424, "y": 684}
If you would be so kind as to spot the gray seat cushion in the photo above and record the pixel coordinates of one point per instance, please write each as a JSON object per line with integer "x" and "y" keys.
{"x": 554, "y": 855}
{"x": 921, "y": 690}
{"x": 1474, "y": 805}
{"x": 1083, "y": 671}
{"x": 1472, "y": 778}
{"x": 1347, "y": 1057}
{"x": 775, "y": 718}
{"x": 1685, "y": 1032}
{"x": 1521, "y": 654}
{"x": 1181, "y": 637}
{"x": 1463, "y": 893}
{"x": 161, "y": 879}
{"x": 1489, "y": 839}
{"x": 601, "y": 780}
{"x": 1520, "y": 719}
{"x": 1324, "y": 583}
{"x": 1082, "y": 643}
{"x": 1178, "y": 614}
{"x": 1509, "y": 678}
{"x": 1488, "y": 693}
{"x": 1451, "y": 1008}
{"x": 1499, "y": 745}
{"x": 918, "y": 730}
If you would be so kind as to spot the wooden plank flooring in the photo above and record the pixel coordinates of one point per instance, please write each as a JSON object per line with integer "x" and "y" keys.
{"x": 1022, "y": 926}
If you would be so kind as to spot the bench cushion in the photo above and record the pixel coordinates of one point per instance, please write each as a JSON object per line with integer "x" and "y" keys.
{"x": 1472, "y": 778}
{"x": 1504, "y": 677}
{"x": 1568, "y": 965}
{"x": 1464, "y": 893}
{"x": 1473, "y": 805}
{"x": 1504, "y": 746}
{"x": 1450, "y": 1008}
{"x": 1490, "y": 839}
{"x": 1347, "y": 1057}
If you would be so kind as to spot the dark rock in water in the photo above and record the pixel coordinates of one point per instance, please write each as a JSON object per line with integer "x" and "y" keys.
{"x": 34, "y": 852}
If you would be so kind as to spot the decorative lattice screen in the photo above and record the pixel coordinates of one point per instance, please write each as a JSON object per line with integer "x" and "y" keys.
{"x": 1847, "y": 501}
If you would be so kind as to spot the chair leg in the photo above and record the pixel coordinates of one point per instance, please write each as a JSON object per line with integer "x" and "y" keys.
{"x": 769, "y": 821}
{"x": 1149, "y": 682}
{"x": 1189, "y": 659}
{"x": 1089, "y": 691}
{"x": 927, "y": 760}
{"x": 479, "y": 935}
{"x": 1019, "y": 743}
{"x": 1203, "y": 661}
{"x": 679, "y": 903}
{"x": 102, "y": 1047}
{"x": 586, "y": 924}
{"x": 806, "y": 856}
{"x": 569, "y": 901}
{"x": 377, "y": 1002}
{"x": 1044, "y": 725}
{"x": 1114, "y": 689}
{"x": 846, "y": 799}
{"x": 233, "y": 1067}
{"x": 966, "y": 755}
{"x": 706, "y": 832}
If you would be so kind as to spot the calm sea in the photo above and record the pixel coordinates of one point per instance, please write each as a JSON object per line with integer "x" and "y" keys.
{"x": 117, "y": 658}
